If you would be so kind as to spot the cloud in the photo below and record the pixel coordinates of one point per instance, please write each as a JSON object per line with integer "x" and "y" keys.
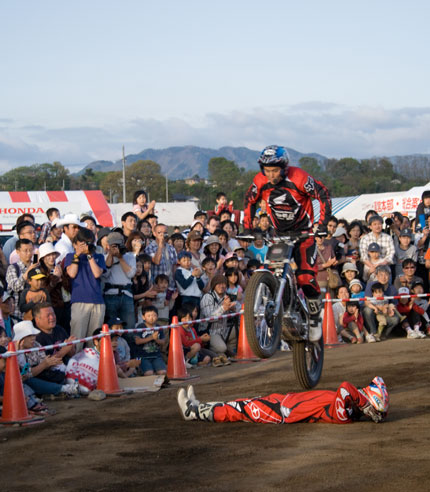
{"x": 322, "y": 127}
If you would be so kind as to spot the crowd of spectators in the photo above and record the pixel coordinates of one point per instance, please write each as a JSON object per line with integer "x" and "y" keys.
{"x": 63, "y": 280}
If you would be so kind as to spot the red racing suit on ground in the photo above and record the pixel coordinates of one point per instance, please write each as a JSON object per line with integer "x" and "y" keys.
{"x": 335, "y": 407}
{"x": 289, "y": 204}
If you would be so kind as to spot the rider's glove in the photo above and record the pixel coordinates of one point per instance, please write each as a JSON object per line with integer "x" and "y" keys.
{"x": 321, "y": 230}
{"x": 372, "y": 413}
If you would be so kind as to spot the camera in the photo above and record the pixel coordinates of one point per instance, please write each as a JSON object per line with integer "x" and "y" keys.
{"x": 91, "y": 248}
{"x": 388, "y": 221}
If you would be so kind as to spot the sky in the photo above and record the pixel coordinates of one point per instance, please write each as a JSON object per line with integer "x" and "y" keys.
{"x": 81, "y": 79}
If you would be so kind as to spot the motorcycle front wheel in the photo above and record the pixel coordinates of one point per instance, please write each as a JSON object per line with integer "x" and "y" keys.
{"x": 263, "y": 328}
{"x": 308, "y": 360}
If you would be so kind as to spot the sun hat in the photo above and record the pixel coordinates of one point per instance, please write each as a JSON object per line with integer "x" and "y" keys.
{"x": 115, "y": 238}
{"x": 70, "y": 219}
{"x": 46, "y": 249}
{"x": 24, "y": 329}
{"x": 193, "y": 236}
{"x": 339, "y": 232}
{"x": 212, "y": 240}
{"x": 348, "y": 267}
{"x": 355, "y": 281}
{"x": 230, "y": 255}
{"x": 103, "y": 232}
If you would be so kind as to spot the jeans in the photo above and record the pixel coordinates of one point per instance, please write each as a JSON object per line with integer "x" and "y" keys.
{"x": 121, "y": 306}
{"x": 41, "y": 387}
{"x": 371, "y": 323}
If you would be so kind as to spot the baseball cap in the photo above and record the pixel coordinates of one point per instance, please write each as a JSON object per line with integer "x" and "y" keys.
{"x": 184, "y": 254}
{"x": 373, "y": 247}
{"x": 36, "y": 273}
{"x": 116, "y": 321}
{"x": 403, "y": 290}
{"x": 406, "y": 232}
{"x": 115, "y": 238}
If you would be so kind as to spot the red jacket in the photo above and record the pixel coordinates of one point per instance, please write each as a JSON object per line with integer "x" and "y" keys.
{"x": 407, "y": 308}
{"x": 350, "y": 318}
{"x": 289, "y": 203}
{"x": 189, "y": 337}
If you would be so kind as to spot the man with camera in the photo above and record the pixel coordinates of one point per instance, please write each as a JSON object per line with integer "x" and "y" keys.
{"x": 85, "y": 268}
{"x": 120, "y": 270}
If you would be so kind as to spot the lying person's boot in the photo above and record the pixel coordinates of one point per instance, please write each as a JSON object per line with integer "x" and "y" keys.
{"x": 191, "y": 395}
{"x": 315, "y": 325}
{"x": 195, "y": 411}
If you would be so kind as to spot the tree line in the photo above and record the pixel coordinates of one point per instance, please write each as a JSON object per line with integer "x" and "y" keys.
{"x": 343, "y": 177}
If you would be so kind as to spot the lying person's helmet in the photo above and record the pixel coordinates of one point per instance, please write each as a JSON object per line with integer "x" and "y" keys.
{"x": 274, "y": 156}
{"x": 377, "y": 395}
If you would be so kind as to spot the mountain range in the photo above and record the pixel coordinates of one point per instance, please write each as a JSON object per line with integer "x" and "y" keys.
{"x": 188, "y": 161}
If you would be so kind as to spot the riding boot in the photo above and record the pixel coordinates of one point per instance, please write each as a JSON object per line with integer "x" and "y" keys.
{"x": 315, "y": 326}
{"x": 192, "y": 411}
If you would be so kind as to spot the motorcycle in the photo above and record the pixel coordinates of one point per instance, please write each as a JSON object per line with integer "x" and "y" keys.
{"x": 275, "y": 307}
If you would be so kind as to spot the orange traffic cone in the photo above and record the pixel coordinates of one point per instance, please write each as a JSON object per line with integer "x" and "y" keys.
{"x": 244, "y": 351}
{"x": 329, "y": 326}
{"x": 14, "y": 404}
{"x": 176, "y": 363}
{"x": 107, "y": 380}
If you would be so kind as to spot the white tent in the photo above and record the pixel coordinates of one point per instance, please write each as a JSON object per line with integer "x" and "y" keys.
{"x": 171, "y": 214}
{"x": 355, "y": 207}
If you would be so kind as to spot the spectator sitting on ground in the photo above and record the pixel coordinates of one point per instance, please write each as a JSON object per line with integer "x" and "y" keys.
{"x": 44, "y": 319}
{"x": 141, "y": 207}
{"x": 353, "y": 324}
{"x": 213, "y": 304}
{"x": 33, "y": 294}
{"x": 85, "y": 268}
{"x": 70, "y": 224}
{"x": 51, "y": 213}
{"x": 149, "y": 344}
{"x": 44, "y": 374}
{"x": 404, "y": 249}
{"x": 376, "y": 235}
{"x": 407, "y": 277}
{"x": 16, "y": 275}
{"x": 164, "y": 257}
{"x": 417, "y": 288}
{"x": 382, "y": 309}
{"x": 25, "y": 230}
{"x": 7, "y": 307}
{"x": 383, "y": 277}
{"x": 188, "y": 280}
{"x": 339, "y": 307}
{"x": 120, "y": 270}
{"x": 413, "y": 312}
{"x": 122, "y": 351}
{"x": 194, "y": 351}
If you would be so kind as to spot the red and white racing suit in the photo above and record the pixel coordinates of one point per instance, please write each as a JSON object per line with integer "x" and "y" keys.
{"x": 335, "y": 407}
{"x": 289, "y": 204}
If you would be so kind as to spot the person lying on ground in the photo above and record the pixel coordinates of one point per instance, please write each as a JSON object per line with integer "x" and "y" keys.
{"x": 343, "y": 406}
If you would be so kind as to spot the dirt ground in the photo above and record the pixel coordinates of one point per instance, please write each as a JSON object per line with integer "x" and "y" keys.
{"x": 139, "y": 442}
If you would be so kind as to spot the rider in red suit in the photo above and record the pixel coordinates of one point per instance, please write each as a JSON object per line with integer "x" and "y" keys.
{"x": 288, "y": 193}
{"x": 336, "y": 407}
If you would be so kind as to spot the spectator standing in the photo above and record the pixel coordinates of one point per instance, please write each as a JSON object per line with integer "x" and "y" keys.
{"x": 376, "y": 235}
{"x": 51, "y": 213}
{"x": 70, "y": 224}
{"x": 9, "y": 245}
{"x": 128, "y": 223}
{"x": 164, "y": 257}
{"x": 194, "y": 244}
{"x": 120, "y": 270}
{"x": 25, "y": 230}
{"x": 85, "y": 269}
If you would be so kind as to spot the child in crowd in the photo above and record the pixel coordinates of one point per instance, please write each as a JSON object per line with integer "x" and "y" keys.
{"x": 164, "y": 299}
{"x": 234, "y": 290}
{"x": 404, "y": 249}
{"x": 374, "y": 259}
{"x": 381, "y": 307}
{"x": 253, "y": 264}
{"x": 357, "y": 291}
{"x": 142, "y": 293}
{"x": 33, "y": 294}
{"x": 353, "y": 323}
{"x": 232, "y": 261}
{"x": 7, "y": 306}
{"x": 258, "y": 248}
{"x": 194, "y": 350}
{"x": 122, "y": 350}
{"x": 188, "y": 281}
{"x": 222, "y": 204}
{"x": 150, "y": 343}
{"x": 418, "y": 288}
{"x": 147, "y": 264}
{"x": 4, "y": 338}
{"x": 209, "y": 270}
{"x": 412, "y": 312}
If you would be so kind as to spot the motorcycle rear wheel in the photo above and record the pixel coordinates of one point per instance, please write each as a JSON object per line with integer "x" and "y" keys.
{"x": 263, "y": 330}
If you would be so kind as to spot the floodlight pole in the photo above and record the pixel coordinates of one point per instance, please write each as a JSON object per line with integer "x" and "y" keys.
{"x": 123, "y": 174}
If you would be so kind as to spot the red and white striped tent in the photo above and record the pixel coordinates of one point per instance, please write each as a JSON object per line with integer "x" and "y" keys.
{"x": 15, "y": 203}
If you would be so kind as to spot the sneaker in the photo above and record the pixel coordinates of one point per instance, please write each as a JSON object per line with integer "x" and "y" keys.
{"x": 70, "y": 389}
{"x": 419, "y": 333}
{"x": 186, "y": 406}
{"x": 284, "y": 346}
{"x": 216, "y": 362}
{"x": 412, "y": 334}
{"x": 377, "y": 337}
{"x": 188, "y": 365}
{"x": 370, "y": 338}
{"x": 225, "y": 360}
